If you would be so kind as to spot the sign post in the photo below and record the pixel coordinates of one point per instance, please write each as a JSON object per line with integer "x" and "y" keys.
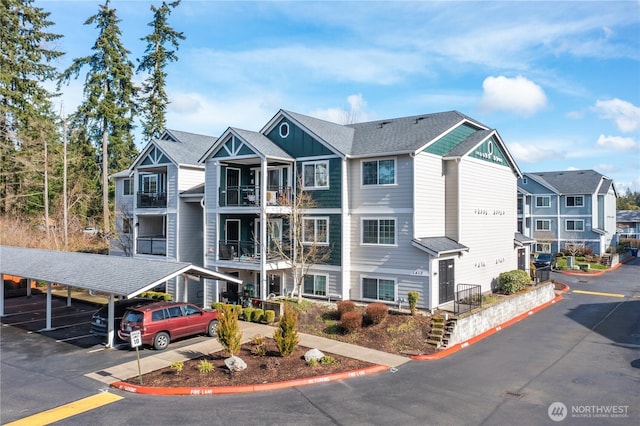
{"x": 136, "y": 342}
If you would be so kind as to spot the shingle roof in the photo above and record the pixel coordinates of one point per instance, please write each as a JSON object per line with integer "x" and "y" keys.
{"x": 469, "y": 143}
{"x": 439, "y": 245}
{"x": 336, "y": 135}
{"x": 185, "y": 148}
{"x": 573, "y": 181}
{"x": 262, "y": 144}
{"x": 628, "y": 216}
{"x": 110, "y": 274}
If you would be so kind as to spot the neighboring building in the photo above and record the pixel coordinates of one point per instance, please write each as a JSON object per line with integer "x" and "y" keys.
{"x": 628, "y": 224}
{"x": 422, "y": 203}
{"x": 563, "y": 208}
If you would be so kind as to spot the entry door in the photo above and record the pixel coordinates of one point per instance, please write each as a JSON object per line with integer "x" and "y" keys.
{"x": 447, "y": 280}
{"x": 233, "y": 236}
{"x": 233, "y": 187}
{"x": 275, "y": 284}
{"x": 522, "y": 264}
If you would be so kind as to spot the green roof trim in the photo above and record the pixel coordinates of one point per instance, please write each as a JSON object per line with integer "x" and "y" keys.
{"x": 490, "y": 151}
{"x": 232, "y": 148}
{"x": 154, "y": 157}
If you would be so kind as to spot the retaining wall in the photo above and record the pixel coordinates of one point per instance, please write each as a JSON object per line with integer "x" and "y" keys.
{"x": 476, "y": 322}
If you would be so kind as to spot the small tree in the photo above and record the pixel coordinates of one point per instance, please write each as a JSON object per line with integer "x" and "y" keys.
{"x": 413, "y": 301}
{"x": 229, "y": 334}
{"x": 286, "y": 335}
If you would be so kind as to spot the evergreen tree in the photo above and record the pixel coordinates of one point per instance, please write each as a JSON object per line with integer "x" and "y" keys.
{"x": 27, "y": 121}
{"x": 155, "y": 60}
{"x": 109, "y": 107}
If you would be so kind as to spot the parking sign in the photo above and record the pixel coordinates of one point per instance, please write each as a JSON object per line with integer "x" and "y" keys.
{"x": 136, "y": 338}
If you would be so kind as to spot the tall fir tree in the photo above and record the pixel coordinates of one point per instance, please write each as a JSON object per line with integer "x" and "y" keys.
{"x": 109, "y": 106}
{"x": 155, "y": 60}
{"x": 27, "y": 122}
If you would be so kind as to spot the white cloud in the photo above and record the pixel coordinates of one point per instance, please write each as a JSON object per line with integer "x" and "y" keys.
{"x": 356, "y": 114}
{"x": 574, "y": 115}
{"x": 533, "y": 153}
{"x": 518, "y": 95}
{"x": 625, "y": 114}
{"x": 616, "y": 143}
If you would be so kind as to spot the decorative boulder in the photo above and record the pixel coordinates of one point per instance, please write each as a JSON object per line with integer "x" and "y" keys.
{"x": 235, "y": 363}
{"x": 313, "y": 354}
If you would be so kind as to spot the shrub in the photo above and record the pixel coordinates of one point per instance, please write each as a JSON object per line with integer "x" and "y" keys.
{"x": 328, "y": 360}
{"x": 228, "y": 332}
{"x": 351, "y": 321}
{"x": 269, "y": 316}
{"x": 259, "y": 343}
{"x": 257, "y": 315}
{"x": 247, "y": 313}
{"x": 157, "y": 295}
{"x": 205, "y": 366}
{"x": 513, "y": 281}
{"x": 177, "y": 366}
{"x": 286, "y": 335}
{"x": 345, "y": 306}
{"x": 377, "y": 312}
{"x": 217, "y": 306}
{"x": 237, "y": 309}
{"x": 413, "y": 301}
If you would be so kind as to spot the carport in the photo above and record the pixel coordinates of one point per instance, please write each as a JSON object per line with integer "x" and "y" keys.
{"x": 114, "y": 275}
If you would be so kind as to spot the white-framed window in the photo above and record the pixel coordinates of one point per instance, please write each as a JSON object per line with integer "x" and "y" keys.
{"x": 150, "y": 184}
{"x": 543, "y": 247}
{"x": 315, "y": 230}
{"x": 127, "y": 187}
{"x": 284, "y": 130}
{"x": 379, "y": 231}
{"x": 574, "y": 201}
{"x": 574, "y": 225}
{"x": 543, "y": 201}
{"x": 543, "y": 224}
{"x": 379, "y": 172}
{"x": 315, "y": 174}
{"x": 315, "y": 285}
{"x": 374, "y": 288}
{"x": 490, "y": 147}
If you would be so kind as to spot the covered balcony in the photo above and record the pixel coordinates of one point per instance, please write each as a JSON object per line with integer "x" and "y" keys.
{"x": 151, "y": 235}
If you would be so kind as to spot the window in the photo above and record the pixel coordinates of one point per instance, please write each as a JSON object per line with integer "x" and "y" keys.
{"x": 149, "y": 184}
{"x": 574, "y": 225}
{"x": 543, "y": 225}
{"x": 315, "y": 174}
{"x": 543, "y": 201}
{"x": 315, "y": 230}
{"x": 128, "y": 187}
{"x": 126, "y": 225}
{"x": 378, "y": 289}
{"x": 379, "y": 172}
{"x": 574, "y": 201}
{"x": 315, "y": 284}
{"x": 543, "y": 247}
{"x": 284, "y": 130}
{"x": 379, "y": 231}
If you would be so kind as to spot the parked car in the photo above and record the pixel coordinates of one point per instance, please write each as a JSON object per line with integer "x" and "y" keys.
{"x": 162, "y": 322}
{"x": 544, "y": 260}
{"x": 99, "y": 320}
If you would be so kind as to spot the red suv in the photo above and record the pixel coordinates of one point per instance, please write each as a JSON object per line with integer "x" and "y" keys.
{"x": 161, "y": 322}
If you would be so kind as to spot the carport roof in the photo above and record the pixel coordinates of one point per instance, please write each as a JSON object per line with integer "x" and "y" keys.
{"x": 116, "y": 275}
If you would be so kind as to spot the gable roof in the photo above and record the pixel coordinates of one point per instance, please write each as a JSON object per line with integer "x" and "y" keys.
{"x": 628, "y": 216}
{"x": 438, "y": 246}
{"x": 574, "y": 181}
{"x": 182, "y": 148}
{"x": 258, "y": 142}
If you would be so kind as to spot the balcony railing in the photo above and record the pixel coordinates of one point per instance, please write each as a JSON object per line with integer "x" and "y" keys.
{"x": 151, "y": 200}
{"x": 250, "y": 196}
{"x": 244, "y": 251}
{"x": 156, "y": 246}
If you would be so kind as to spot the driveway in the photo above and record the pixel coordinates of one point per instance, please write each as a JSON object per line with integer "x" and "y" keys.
{"x": 583, "y": 352}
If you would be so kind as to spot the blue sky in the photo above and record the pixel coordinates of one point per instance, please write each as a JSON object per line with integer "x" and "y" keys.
{"x": 560, "y": 81}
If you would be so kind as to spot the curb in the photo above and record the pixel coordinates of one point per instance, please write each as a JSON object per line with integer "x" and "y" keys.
{"x": 219, "y": 390}
{"x": 602, "y": 272}
{"x": 459, "y": 346}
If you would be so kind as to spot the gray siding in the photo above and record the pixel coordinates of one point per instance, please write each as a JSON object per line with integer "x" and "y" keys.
{"x": 191, "y": 233}
{"x": 397, "y": 196}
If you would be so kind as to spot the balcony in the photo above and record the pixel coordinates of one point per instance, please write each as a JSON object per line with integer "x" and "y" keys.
{"x": 243, "y": 251}
{"x": 152, "y": 199}
{"x": 249, "y": 196}
{"x": 156, "y": 246}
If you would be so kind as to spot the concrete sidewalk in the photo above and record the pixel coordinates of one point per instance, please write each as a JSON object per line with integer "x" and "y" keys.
{"x": 163, "y": 359}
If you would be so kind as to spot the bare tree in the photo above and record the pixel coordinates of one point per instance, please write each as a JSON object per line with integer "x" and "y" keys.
{"x": 122, "y": 236}
{"x": 306, "y": 243}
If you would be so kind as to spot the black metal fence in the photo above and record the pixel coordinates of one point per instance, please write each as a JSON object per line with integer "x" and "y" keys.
{"x": 468, "y": 297}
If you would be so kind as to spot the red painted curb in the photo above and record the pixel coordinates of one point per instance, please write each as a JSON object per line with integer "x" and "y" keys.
{"x": 459, "y": 346}
{"x": 218, "y": 390}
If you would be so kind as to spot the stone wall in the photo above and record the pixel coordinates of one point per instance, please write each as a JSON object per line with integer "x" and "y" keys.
{"x": 477, "y": 322}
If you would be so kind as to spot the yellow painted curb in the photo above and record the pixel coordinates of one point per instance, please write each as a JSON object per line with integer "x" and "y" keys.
{"x": 68, "y": 410}
{"x": 597, "y": 293}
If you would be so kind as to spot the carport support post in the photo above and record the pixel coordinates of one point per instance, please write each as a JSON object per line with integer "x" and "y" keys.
{"x": 29, "y": 284}
{"x": 48, "y": 327}
{"x": 68, "y": 295}
{"x": 2, "y": 296}
{"x": 110, "y": 320}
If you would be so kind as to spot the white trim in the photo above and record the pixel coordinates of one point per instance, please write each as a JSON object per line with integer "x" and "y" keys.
{"x": 378, "y": 278}
{"x": 314, "y": 164}
{"x": 377, "y": 160}
{"x": 566, "y": 222}
{"x": 542, "y": 197}
{"x": 395, "y": 232}
{"x": 535, "y": 225}
{"x": 315, "y": 219}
